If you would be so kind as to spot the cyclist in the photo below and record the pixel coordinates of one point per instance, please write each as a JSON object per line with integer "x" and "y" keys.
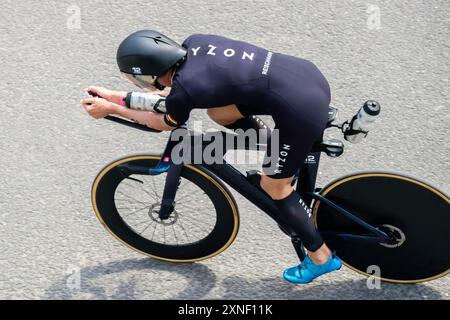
{"x": 234, "y": 81}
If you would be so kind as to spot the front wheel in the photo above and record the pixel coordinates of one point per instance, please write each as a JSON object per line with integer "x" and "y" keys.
{"x": 417, "y": 214}
{"x": 203, "y": 223}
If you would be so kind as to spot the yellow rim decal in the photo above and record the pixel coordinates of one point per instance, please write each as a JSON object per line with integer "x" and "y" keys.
{"x": 131, "y": 158}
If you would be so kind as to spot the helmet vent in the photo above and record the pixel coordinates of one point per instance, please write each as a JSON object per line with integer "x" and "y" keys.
{"x": 157, "y": 40}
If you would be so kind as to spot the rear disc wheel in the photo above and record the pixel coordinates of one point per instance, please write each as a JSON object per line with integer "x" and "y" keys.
{"x": 416, "y": 214}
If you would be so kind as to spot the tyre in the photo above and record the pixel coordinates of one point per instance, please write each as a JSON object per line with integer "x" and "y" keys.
{"x": 204, "y": 221}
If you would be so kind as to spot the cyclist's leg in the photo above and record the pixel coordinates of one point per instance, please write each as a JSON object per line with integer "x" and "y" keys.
{"x": 225, "y": 115}
{"x": 288, "y": 147}
{"x": 294, "y": 147}
{"x": 240, "y": 117}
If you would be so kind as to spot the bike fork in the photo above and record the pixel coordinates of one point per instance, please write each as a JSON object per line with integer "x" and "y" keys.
{"x": 170, "y": 189}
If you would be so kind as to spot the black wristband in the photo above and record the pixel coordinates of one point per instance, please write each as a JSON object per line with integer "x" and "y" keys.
{"x": 170, "y": 121}
{"x": 128, "y": 99}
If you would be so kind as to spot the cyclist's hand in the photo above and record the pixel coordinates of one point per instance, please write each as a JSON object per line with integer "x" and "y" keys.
{"x": 98, "y": 107}
{"x": 110, "y": 95}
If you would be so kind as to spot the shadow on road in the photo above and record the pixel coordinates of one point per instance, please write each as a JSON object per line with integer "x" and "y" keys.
{"x": 200, "y": 281}
{"x": 240, "y": 288}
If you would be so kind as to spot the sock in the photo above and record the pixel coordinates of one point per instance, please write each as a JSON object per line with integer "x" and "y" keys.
{"x": 293, "y": 211}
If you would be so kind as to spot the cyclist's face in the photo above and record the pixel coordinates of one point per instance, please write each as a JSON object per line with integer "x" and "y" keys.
{"x": 167, "y": 78}
{"x": 150, "y": 83}
{"x": 141, "y": 81}
{"x": 151, "y": 88}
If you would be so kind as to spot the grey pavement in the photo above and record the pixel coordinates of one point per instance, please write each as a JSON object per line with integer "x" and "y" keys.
{"x": 52, "y": 150}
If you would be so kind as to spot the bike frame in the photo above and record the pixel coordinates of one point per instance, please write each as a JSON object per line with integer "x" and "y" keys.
{"x": 306, "y": 187}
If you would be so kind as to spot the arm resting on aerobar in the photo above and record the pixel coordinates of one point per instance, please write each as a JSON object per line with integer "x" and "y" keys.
{"x": 146, "y": 101}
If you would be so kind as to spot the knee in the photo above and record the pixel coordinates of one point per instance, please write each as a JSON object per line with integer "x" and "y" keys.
{"x": 276, "y": 188}
{"x": 212, "y": 114}
{"x": 224, "y": 115}
{"x": 217, "y": 116}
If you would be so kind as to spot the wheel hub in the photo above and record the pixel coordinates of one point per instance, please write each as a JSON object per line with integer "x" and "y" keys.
{"x": 153, "y": 213}
{"x": 396, "y": 233}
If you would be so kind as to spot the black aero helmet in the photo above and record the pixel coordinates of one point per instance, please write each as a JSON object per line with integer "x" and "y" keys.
{"x": 147, "y": 54}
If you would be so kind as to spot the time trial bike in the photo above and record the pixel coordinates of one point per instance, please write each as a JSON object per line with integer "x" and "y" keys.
{"x": 183, "y": 212}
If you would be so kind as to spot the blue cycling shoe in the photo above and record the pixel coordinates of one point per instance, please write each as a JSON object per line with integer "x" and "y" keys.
{"x": 307, "y": 271}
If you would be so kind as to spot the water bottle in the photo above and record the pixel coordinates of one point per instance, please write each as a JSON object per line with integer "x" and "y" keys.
{"x": 361, "y": 122}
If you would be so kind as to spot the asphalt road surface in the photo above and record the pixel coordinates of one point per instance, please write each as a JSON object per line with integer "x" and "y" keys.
{"x": 53, "y": 247}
